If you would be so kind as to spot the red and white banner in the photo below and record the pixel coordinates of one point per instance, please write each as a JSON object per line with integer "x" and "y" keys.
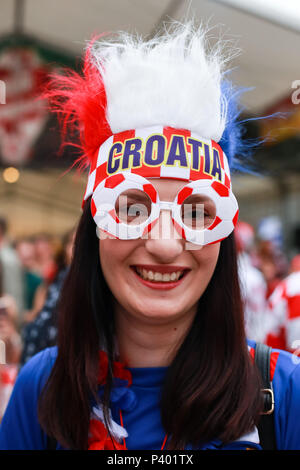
{"x": 22, "y": 114}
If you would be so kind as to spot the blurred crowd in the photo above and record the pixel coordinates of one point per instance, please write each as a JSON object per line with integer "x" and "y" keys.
{"x": 33, "y": 268}
{"x": 270, "y": 284}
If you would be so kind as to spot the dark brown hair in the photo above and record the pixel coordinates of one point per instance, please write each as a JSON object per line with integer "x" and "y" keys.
{"x": 212, "y": 390}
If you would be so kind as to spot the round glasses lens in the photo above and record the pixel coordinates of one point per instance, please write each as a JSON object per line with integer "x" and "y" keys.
{"x": 133, "y": 207}
{"x": 198, "y": 211}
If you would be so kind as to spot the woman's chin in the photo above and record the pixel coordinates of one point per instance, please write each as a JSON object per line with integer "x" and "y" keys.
{"x": 161, "y": 310}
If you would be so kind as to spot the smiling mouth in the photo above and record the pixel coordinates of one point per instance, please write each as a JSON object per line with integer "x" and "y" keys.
{"x": 156, "y": 277}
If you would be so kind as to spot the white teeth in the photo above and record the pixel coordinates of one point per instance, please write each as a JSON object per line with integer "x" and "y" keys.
{"x": 159, "y": 277}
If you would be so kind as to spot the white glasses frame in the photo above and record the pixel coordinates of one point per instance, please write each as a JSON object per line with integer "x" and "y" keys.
{"x": 107, "y": 192}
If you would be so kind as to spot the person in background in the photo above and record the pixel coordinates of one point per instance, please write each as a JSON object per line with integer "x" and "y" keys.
{"x": 12, "y": 269}
{"x": 282, "y": 319}
{"x": 253, "y": 285}
{"x": 47, "y": 265}
{"x": 45, "y": 256}
{"x": 272, "y": 263}
{"x": 34, "y": 289}
{"x": 42, "y": 332}
{"x": 295, "y": 264}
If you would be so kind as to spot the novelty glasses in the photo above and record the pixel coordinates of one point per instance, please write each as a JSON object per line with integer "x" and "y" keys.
{"x": 127, "y": 206}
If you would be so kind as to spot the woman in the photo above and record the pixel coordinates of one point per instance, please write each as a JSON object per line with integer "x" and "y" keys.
{"x": 151, "y": 349}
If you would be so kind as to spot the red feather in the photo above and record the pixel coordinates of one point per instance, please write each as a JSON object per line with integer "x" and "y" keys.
{"x": 80, "y": 103}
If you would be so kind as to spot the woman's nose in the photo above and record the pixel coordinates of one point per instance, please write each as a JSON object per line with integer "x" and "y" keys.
{"x": 163, "y": 241}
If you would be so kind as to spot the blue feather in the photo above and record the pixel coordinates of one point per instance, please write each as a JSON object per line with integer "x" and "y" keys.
{"x": 239, "y": 149}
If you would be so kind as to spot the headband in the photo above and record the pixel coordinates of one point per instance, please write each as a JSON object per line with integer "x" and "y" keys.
{"x": 127, "y": 159}
{"x": 159, "y": 152}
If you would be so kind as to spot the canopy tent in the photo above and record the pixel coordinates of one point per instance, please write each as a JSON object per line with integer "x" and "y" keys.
{"x": 267, "y": 63}
{"x": 269, "y": 59}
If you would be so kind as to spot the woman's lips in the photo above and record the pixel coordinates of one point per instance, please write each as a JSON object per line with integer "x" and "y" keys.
{"x": 163, "y": 285}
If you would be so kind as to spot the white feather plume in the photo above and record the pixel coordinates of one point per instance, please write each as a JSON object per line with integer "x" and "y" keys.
{"x": 117, "y": 431}
{"x": 171, "y": 80}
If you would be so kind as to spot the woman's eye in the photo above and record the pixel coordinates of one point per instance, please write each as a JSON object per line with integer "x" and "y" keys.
{"x": 198, "y": 213}
{"x": 133, "y": 206}
{"x": 130, "y": 212}
{"x": 195, "y": 214}
{"x": 136, "y": 210}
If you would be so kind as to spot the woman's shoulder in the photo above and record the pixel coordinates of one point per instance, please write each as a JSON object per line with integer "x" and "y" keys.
{"x": 283, "y": 364}
{"x": 20, "y": 428}
{"x": 37, "y": 369}
{"x": 33, "y": 375}
{"x": 285, "y": 377}
{"x": 41, "y": 361}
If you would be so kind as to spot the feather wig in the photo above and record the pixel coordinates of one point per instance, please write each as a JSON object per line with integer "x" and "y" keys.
{"x": 173, "y": 79}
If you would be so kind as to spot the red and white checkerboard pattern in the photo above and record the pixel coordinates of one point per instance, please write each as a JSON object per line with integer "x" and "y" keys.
{"x": 98, "y": 169}
{"x": 282, "y": 320}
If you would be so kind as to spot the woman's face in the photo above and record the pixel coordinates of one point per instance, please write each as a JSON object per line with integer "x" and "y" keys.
{"x": 133, "y": 268}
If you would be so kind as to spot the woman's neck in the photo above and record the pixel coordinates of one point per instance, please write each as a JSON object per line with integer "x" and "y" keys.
{"x": 145, "y": 343}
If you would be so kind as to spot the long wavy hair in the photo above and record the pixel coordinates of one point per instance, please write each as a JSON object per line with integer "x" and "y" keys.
{"x": 212, "y": 388}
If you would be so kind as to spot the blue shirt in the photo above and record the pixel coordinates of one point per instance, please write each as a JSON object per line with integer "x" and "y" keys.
{"x": 20, "y": 428}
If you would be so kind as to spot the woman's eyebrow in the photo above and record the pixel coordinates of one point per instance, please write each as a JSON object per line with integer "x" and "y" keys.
{"x": 133, "y": 197}
{"x": 201, "y": 198}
